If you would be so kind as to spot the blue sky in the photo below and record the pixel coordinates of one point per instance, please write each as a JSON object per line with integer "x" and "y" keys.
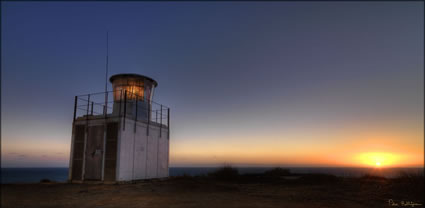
{"x": 244, "y": 77}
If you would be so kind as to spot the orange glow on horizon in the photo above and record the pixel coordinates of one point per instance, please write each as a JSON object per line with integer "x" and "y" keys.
{"x": 361, "y": 149}
{"x": 245, "y": 147}
{"x": 379, "y": 159}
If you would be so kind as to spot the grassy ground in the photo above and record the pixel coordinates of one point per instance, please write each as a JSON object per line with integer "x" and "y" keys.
{"x": 223, "y": 189}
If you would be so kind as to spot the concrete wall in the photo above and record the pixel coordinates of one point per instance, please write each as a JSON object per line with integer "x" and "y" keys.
{"x": 163, "y": 163}
{"x": 140, "y": 152}
{"x": 141, "y": 156}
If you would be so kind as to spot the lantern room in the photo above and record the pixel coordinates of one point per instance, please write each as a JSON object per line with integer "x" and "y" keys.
{"x": 137, "y": 87}
{"x": 135, "y": 92}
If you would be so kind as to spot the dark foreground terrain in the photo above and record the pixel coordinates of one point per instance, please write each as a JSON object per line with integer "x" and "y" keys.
{"x": 272, "y": 190}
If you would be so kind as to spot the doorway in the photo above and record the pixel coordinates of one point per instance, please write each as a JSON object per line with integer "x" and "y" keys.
{"x": 94, "y": 153}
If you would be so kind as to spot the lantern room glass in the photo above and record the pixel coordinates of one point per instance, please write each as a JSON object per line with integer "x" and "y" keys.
{"x": 135, "y": 89}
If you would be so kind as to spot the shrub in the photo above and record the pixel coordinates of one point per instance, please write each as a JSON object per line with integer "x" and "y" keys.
{"x": 185, "y": 175}
{"x": 411, "y": 177}
{"x": 45, "y": 180}
{"x": 318, "y": 178}
{"x": 372, "y": 177}
{"x": 411, "y": 183}
{"x": 277, "y": 172}
{"x": 225, "y": 173}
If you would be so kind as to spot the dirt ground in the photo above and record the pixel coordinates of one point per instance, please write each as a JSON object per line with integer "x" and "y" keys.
{"x": 201, "y": 192}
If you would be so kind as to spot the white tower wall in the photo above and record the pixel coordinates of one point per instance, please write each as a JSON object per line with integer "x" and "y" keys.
{"x": 142, "y": 156}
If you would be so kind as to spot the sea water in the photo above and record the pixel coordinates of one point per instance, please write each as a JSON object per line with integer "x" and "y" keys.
{"x": 35, "y": 175}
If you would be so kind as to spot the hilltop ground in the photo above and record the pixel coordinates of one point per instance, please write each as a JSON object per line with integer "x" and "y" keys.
{"x": 271, "y": 190}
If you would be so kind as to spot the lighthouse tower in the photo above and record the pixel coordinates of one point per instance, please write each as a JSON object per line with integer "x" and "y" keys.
{"x": 120, "y": 135}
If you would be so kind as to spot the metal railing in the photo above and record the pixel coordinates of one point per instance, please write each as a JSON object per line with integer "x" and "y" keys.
{"x": 102, "y": 105}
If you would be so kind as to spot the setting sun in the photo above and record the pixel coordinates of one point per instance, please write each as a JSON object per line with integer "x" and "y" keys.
{"x": 378, "y": 159}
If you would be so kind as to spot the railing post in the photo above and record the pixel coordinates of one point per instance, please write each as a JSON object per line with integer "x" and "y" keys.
{"x": 119, "y": 111}
{"x": 156, "y": 116}
{"x": 125, "y": 108}
{"x": 168, "y": 122}
{"x": 88, "y": 106}
{"x": 136, "y": 110}
{"x": 149, "y": 120}
{"x": 105, "y": 106}
{"x": 75, "y": 107}
{"x": 135, "y": 119}
{"x": 92, "y": 108}
{"x": 160, "y": 126}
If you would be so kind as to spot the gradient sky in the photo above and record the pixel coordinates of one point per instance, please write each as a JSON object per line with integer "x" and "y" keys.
{"x": 248, "y": 83}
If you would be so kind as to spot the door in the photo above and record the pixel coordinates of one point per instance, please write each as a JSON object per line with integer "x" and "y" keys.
{"x": 78, "y": 152}
{"x": 94, "y": 153}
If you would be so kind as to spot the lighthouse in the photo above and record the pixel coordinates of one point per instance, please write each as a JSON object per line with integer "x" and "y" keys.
{"x": 120, "y": 135}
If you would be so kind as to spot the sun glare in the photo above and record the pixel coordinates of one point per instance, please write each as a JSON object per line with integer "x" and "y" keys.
{"x": 377, "y": 159}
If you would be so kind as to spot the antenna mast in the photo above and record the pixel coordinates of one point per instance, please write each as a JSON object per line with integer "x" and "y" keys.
{"x": 106, "y": 73}
{"x": 107, "y": 59}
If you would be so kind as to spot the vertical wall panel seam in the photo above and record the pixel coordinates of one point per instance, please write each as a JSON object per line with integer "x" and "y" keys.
{"x": 71, "y": 156}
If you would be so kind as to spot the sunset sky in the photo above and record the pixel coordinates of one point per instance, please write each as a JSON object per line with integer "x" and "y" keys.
{"x": 248, "y": 83}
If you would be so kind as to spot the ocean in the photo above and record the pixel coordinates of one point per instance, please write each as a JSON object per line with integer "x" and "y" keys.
{"x": 34, "y": 175}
